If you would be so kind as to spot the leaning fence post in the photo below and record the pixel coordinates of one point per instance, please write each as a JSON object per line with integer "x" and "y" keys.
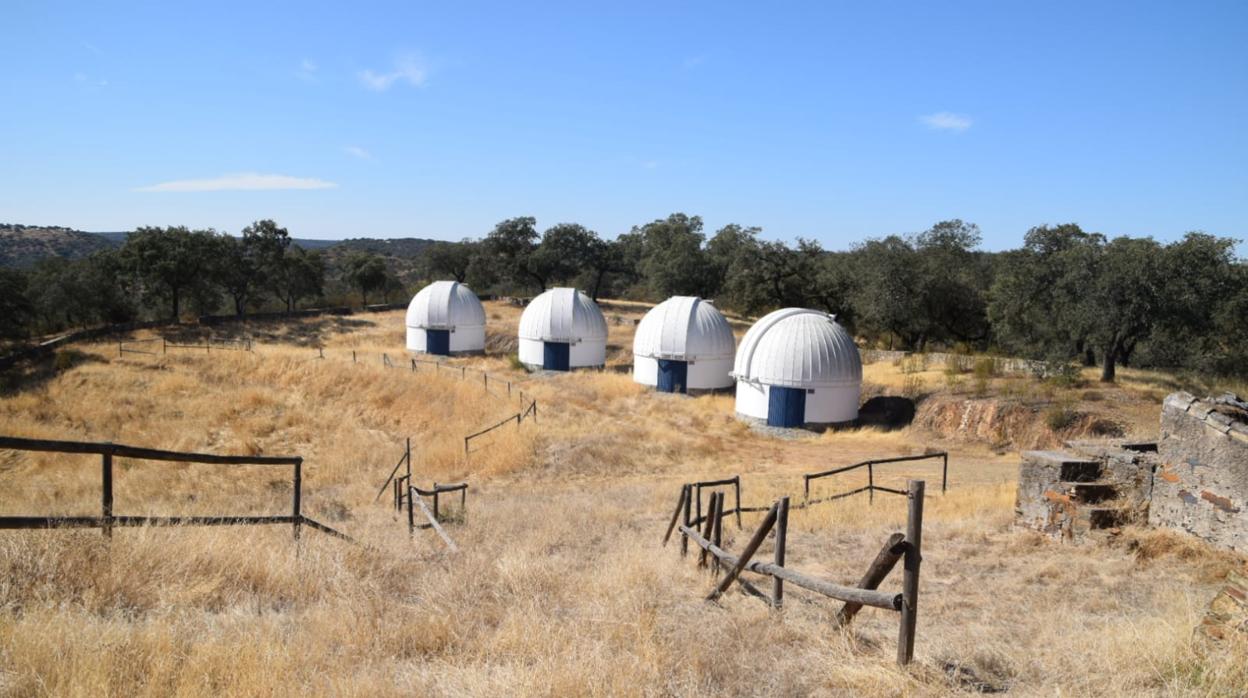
{"x": 298, "y": 516}
{"x": 746, "y": 554}
{"x": 782, "y": 528}
{"x": 910, "y": 579}
{"x": 680, "y": 504}
{"x": 106, "y": 480}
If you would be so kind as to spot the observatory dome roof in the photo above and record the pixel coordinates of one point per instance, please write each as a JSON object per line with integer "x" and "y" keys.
{"x": 684, "y": 328}
{"x": 798, "y": 348}
{"x": 444, "y": 305}
{"x": 563, "y": 315}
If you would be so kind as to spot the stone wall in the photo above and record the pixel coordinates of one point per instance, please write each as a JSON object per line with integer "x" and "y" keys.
{"x": 1202, "y": 485}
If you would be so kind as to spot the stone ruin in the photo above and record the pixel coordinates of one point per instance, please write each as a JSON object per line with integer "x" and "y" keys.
{"x": 1194, "y": 479}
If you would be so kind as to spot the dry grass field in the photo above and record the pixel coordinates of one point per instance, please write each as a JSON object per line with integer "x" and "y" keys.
{"x": 561, "y": 586}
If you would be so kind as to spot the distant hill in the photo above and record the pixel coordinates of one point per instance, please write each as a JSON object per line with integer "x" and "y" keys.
{"x": 23, "y": 245}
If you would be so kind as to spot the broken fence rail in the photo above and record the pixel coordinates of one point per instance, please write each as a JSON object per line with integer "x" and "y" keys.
{"x": 907, "y": 548}
{"x": 108, "y": 520}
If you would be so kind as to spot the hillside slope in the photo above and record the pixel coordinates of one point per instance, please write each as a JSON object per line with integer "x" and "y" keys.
{"x": 21, "y": 246}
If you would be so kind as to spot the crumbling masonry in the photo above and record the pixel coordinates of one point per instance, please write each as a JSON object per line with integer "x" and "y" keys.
{"x": 1194, "y": 479}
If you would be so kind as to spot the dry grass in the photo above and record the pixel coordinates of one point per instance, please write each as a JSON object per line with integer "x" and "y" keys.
{"x": 536, "y": 604}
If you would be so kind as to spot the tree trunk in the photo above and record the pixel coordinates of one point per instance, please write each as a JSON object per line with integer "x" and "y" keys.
{"x": 240, "y": 303}
{"x": 1111, "y": 359}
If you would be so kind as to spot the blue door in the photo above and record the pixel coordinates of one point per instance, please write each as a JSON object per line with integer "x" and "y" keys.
{"x": 786, "y": 407}
{"x": 438, "y": 342}
{"x": 673, "y": 376}
{"x": 555, "y": 356}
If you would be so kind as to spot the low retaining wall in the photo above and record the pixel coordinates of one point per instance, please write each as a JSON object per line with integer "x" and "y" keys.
{"x": 1202, "y": 485}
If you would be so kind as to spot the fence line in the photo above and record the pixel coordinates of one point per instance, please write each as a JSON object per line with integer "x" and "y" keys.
{"x": 871, "y": 488}
{"x": 108, "y": 520}
{"x": 897, "y": 548}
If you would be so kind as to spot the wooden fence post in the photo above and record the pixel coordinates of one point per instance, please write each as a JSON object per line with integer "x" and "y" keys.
{"x": 736, "y": 486}
{"x": 687, "y": 509}
{"x": 944, "y": 473}
{"x": 671, "y": 526}
{"x": 717, "y": 533}
{"x": 782, "y": 528}
{"x": 708, "y": 526}
{"x": 436, "y": 514}
{"x": 910, "y": 579}
{"x": 106, "y": 481}
{"x": 352, "y": 356}
{"x": 870, "y": 483}
{"x": 298, "y": 497}
{"x": 411, "y": 512}
{"x": 697, "y": 510}
{"x": 409, "y": 460}
{"x": 164, "y": 346}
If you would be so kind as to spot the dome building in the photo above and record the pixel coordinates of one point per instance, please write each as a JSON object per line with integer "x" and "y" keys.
{"x": 798, "y": 368}
{"x": 445, "y": 318}
{"x": 563, "y": 329}
{"x": 684, "y": 344}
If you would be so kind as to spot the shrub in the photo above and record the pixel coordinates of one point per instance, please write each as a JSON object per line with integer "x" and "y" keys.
{"x": 516, "y": 364}
{"x": 67, "y": 359}
{"x": 981, "y": 385}
{"x": 1060, "y": 417}
{"x": 986, "y": 367}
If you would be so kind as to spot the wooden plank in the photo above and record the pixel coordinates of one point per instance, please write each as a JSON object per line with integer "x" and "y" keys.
{"x": 450, "y": 544}
{"x": 866, "y": 597}
{"x": 879, "y": 569}
{"x": 910, "y": 578}
{"x": 735, "y": 570}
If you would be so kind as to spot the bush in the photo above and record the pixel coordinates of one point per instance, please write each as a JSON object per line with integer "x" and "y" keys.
{"x": 981, "y": 385}
{"x": 1060, "y": 417}
{"x": 516, "y": 363}
{"x": 68, "y": 358}
{"x": 986, "y": 367}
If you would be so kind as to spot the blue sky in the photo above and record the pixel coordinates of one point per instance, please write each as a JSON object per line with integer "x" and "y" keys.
{"x": 830, "y": 121}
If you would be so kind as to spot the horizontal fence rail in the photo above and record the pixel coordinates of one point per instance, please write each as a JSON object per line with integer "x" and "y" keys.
{"x": 871, "y": 488}
{"x": 108, "y": 519}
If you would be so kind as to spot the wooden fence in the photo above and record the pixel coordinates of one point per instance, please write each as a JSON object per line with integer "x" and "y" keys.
{"x": 907, "y": 547}
{"x": 518, "y": 418}
{"x": 107, "y": 519}
{"x": 871, "y": 488}
{"x": 404, "y": 492}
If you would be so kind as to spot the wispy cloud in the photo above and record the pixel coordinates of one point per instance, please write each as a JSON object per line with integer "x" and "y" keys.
{"x": 89, "y": 82}
{"x": 357, "y": 152}
{"x": 946, "y": 121}
{"x": 307, "y": 70}
{"x": 693, "y": 61}
{"x": 408, "y": 69}
{"x": 241, "y": 182}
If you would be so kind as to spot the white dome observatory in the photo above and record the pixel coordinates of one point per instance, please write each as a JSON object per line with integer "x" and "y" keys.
{"x": 798, "y": 367}
{"x": 445, "y": 318}
{"x": 563, "y": 329}
{"x": 684, "y": 344}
